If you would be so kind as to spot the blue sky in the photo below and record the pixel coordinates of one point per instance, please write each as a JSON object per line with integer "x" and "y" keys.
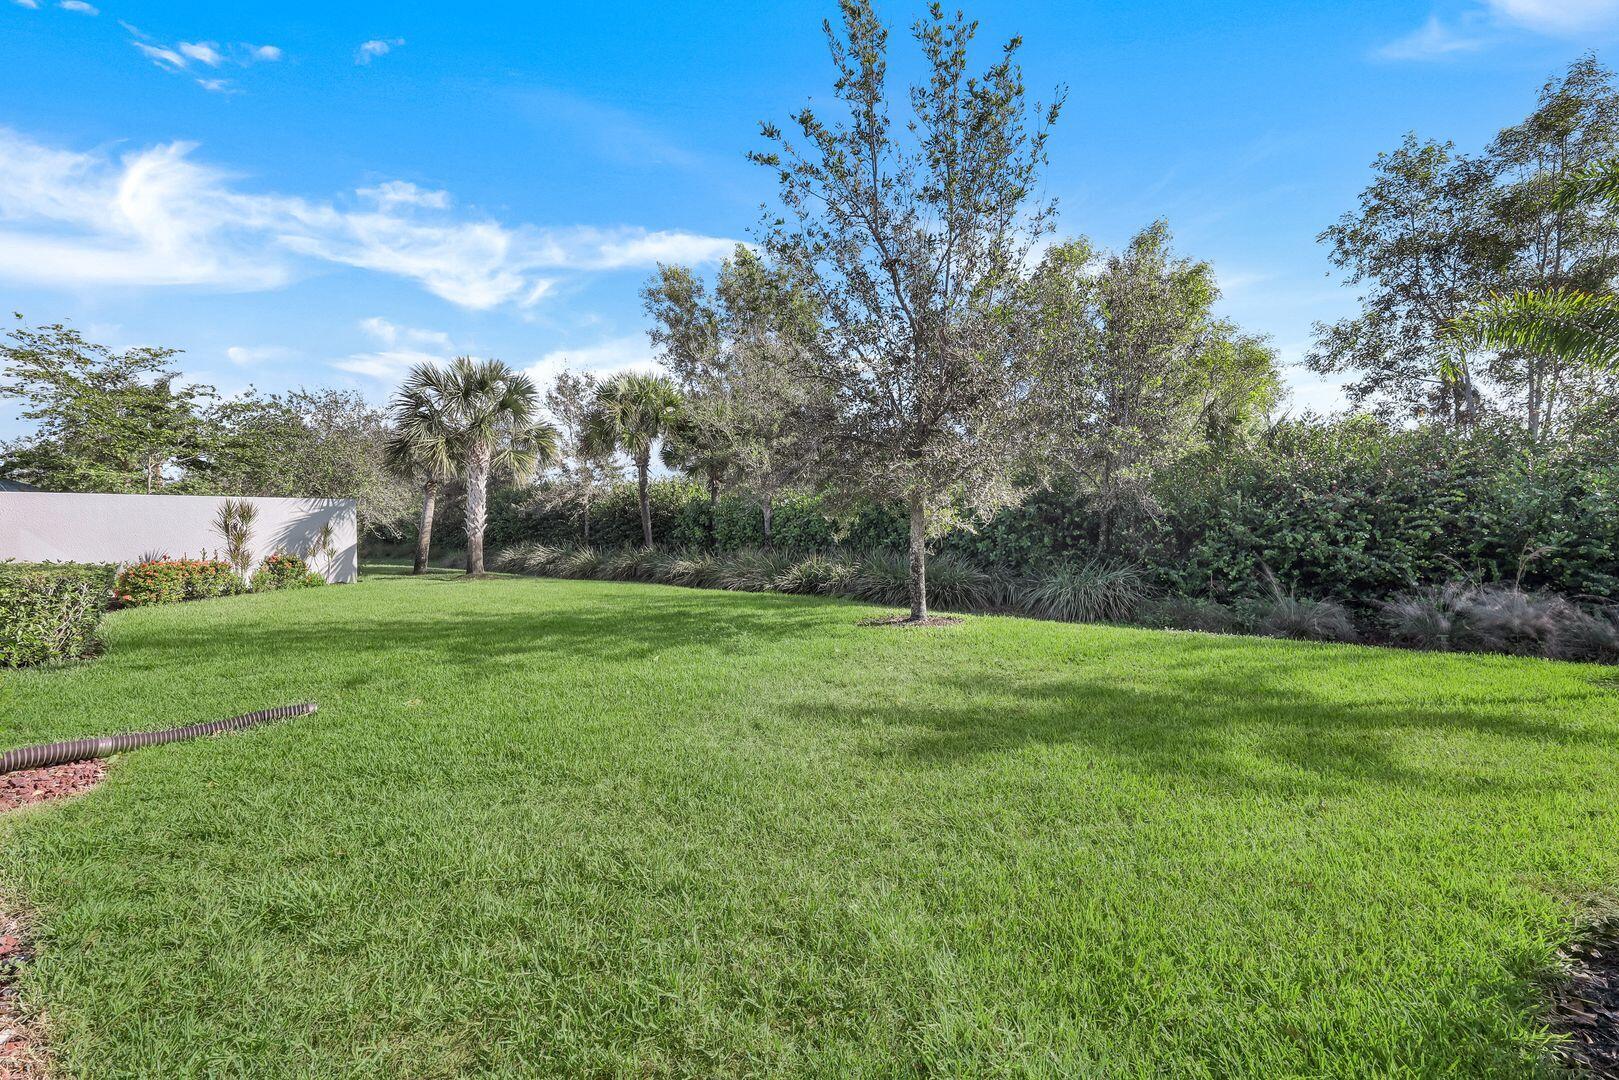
{"x": 320, "y": 194}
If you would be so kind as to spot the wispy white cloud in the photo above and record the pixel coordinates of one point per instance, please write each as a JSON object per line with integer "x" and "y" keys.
{"x": 403, "y": 193}
{"x": 1487, "y": 23}
{"x": 204, "y": 52}
{"x": 249, "y": 355}
{"x": 400, "y": 348}
{"x": 370, "y": 50}
{"x": 182, "y": 57}
{"x": 1558, "y": 17}
{"x": 603, "y": 358}
{"x": 157, "y": 216}
{"x": 161, "y": 56}
{"x": 31, "y": 5}
{"x": 79, "y": 6}
{"x": 1432, "y": 40}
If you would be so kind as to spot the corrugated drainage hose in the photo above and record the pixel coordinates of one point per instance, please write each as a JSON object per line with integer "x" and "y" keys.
{"x": 60, "y": 753}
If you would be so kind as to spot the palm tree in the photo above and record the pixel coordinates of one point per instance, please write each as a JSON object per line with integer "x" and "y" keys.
{"x": 631, "y": 413}
{"x": 490, "y": 415}
{"x": 421, "y": 448}
{"x": 1565, "y": 324}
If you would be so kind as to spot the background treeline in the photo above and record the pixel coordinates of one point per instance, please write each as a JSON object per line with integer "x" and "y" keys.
{"x": 1352, "y": 510}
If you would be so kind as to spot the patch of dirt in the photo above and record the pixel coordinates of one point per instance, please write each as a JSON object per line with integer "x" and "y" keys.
{"x": 1585, "y": 1006}
{"x": 28, "y": 786}
{"x": 22, "y": 1050}
{"x": 906, "y": 620}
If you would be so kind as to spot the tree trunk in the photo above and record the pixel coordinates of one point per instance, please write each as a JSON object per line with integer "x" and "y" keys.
{"x": 641, "y": 466}
{"x": 587, "y": 516}
{"x": 713, "y": 511}
{"x": 919, "y": 558}
{"x": 769, "y": 509}
{"x": 477, "y": 507}
{"x": 424, "y": 531}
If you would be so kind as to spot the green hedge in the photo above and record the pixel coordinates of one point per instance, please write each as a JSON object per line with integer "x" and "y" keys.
{"x": 1348, "y": 509}
{"x": 50, "y": 612}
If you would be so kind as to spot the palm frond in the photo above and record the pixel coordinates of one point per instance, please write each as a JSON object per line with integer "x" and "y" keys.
{"x": 1563, "y": 323}
{"x": 1597, "y": 184}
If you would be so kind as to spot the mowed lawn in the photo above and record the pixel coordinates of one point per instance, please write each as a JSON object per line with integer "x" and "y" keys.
{"x": 558, "y": 827}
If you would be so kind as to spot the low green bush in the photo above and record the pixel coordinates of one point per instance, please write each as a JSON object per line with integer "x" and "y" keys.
{"x": 50, "y": 612}
{"x": 284, "y": 571}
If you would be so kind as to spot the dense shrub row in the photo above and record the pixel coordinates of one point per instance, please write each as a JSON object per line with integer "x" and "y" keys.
{"x": 50, "y": 612}
{"x": 1452, "y": 617}
{"x": 169, "y": 581}
{"x": 1349, "y": 510}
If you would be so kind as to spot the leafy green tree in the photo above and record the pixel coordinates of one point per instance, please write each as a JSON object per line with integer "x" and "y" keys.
{"x": 491, "y": 419}
{"x": 586, "y": 469}
{"x": 911, "y": 235}
{"x": 1424, "y": 244}
{"x": 321, "y": 444}
{"x": 737, "y": 359}
{"x": 1137, "y": 370}
{"x": 104, "y": 420}
{"x": 1559, "y": 245}
{"x": 421, "y": 447}
{"x": 1574, "y": 329}
{"x": 631, "y": 413}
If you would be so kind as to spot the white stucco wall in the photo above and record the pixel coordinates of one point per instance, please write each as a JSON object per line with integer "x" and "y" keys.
{"x": 42, "y": 526}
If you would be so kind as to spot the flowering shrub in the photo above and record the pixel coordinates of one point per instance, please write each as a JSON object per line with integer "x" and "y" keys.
{"x": 157, "y": 581}
{"x": 168, "y": 581}
{"x": 284, "y": 571}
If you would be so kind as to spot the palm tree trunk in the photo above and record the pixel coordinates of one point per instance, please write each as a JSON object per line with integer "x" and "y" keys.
{"x": 641, "y": 464}
{"x": 919, "y": 558}
{"x": 769, "y": 508}
{"x": 424, "y": 531}
{"x": 586, "y": 501}
{"x": 477, "y": 500}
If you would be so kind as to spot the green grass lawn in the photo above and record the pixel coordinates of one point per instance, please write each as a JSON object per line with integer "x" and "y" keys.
{"x": 595, "y": 829}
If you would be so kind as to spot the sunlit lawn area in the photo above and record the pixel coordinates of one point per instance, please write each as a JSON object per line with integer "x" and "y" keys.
{"x": 585, "y": 828}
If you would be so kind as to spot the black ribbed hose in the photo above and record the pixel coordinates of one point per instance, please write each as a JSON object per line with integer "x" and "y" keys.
{"x": 60, "y": 753}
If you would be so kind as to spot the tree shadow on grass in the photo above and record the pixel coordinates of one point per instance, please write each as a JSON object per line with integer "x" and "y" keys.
{"x": 1259, "y": 716}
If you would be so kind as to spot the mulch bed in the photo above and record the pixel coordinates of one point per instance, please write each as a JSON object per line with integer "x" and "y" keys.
{"x": 906, "y": 620}
{"x": 22, "y": 1051}
{"x": 1585, "y": 1006}
{"x": 28, "y": 786}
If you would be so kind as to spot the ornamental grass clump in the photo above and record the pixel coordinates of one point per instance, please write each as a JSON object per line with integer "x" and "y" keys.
{"x": 1503, "y": 618}
{"x": 818, "y": 575}
{"x": 1095, "y": 590}
{"x": 751, "y": 570}
{"x": 1305, "y": 620}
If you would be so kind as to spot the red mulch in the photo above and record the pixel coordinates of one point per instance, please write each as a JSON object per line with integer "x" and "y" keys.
{"x": 906, "y": 620}
{"x": 28, "y": 786}
{"x": 22, "y": 1052}
{"x": 1585, "y": 1007}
